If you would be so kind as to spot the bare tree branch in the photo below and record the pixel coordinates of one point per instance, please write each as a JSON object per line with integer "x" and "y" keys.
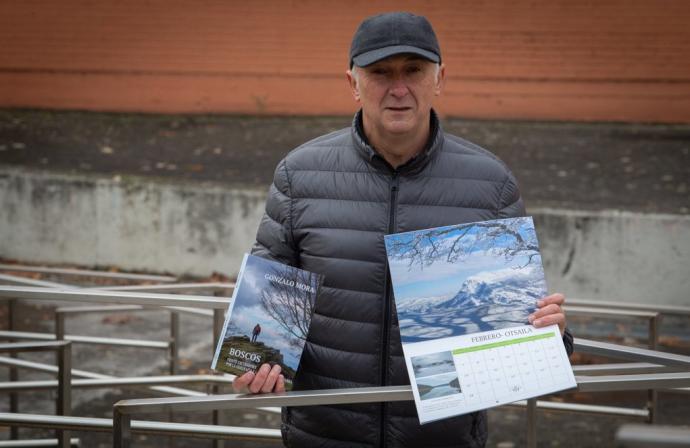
{"x": 456, "y": 243}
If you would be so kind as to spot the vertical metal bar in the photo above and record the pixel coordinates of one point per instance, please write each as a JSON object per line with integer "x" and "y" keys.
{"x": 217, "y": 419}
{"x": 14, "y": 372}
{"x": 64, "y": 398}
{"x": 174, "y": 360}
{"x": 59, "y": 326}
{"x": 218, "y": 321}
{"x": 653, "y": 395}
{"x": 654, "y": 323}
{"x": 174, "y": 341}
{"x": 122, "y": 429}
{"x": 532, "y": 423}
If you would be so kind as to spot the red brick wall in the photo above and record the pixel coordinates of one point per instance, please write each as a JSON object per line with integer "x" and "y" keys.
{"x": 621, "y": 60}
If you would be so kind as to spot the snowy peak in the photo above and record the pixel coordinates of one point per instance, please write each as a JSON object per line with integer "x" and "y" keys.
{"x": 500, "y": 287}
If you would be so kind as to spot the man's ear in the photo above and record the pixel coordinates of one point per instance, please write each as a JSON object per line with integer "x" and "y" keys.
{"x": 352, "y": 82}
{"x": 440, "y": 80}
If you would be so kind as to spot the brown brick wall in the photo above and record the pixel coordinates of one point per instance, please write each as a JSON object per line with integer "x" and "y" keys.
{"x": 621, "y": 60}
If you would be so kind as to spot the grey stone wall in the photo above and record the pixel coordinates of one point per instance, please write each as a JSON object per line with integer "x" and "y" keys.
{"x": 194, "y": 228}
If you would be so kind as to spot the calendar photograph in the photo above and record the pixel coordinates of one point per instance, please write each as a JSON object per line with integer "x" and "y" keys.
{"x": 463, "y": 295}
{"x": 438, "y": 386}
{"x": 433, "y": 364}
{"x": 455, "y": 280}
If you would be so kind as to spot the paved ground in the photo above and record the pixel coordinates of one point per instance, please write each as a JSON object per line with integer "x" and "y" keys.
{"x": 633, "y": 167}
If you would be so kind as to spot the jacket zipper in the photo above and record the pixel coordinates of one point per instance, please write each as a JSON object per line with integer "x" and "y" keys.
{"x": 394, "y": 186}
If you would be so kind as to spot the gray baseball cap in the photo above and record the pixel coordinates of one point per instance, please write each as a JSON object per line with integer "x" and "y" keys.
{"x": 385, "y": 35}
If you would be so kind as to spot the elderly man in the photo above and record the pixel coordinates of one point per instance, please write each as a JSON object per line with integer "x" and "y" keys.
{"x": 332, "y": 201}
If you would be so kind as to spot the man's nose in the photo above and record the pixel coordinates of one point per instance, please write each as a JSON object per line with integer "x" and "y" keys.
{"x": 398, "y": 87}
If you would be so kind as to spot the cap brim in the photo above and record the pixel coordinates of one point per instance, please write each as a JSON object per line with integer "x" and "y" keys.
{"x": 370, "y": 57}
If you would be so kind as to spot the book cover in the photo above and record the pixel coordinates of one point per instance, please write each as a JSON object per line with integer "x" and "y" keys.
{"x": 463, "y": 295}
{"x": 268, "y": 318}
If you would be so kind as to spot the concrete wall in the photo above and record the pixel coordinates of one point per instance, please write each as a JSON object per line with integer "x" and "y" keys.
{"x": 140, "y": 224}
{"x": 133, "y": 224}
{"x": 631, "y": 257}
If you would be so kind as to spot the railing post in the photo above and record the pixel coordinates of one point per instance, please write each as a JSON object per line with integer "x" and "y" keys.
{"x": 532, "y": 423}
{"x": 653, "y": 395}
{"x": 64, "y": 396}
{"x": 217, "y": 418}
{"x": 122, "y": 429}
{"x": 59, "y": 326}
{"x": 14, "y": 372}
{"x": 174, "y": 341}
{"x": 174, "y": 359}
{"x": 218, "y": 321}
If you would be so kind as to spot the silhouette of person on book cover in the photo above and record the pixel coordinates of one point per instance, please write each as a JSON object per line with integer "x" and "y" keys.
{"x": 256, "y": 332}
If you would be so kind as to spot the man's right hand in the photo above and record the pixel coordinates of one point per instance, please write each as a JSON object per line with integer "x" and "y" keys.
{"x": 266, "y": 379}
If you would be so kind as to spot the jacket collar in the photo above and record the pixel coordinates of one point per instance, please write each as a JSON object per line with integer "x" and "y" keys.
{"x": 415, "y": 164}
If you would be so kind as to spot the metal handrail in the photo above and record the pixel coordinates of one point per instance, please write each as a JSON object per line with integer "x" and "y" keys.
{"x": 36, "y": 443}
{"x": 94, "y": 383}
{"x": 110, "y": 297}
{"x": 663, "y": 309}
{"x": 17, "y": 280}
{"x": 606, "y": 311}
{"x": 99, "y": 340}
{"x": 630, "y": 353}
{"x": 214, "y": 286}
{"x": 644, "y": 436}
{"x": 64, "y": 396}
{"x": 139, "y": 427}
{"x": 77, "y": 373}
{"x": 360, "y": 395}
{"x": 86, "y": 272}
{"x": 123, "y": 410}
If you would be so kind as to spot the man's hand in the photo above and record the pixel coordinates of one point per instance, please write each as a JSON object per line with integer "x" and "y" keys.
{"x": 549, "y": 312}
{"x": 266, "y": 379}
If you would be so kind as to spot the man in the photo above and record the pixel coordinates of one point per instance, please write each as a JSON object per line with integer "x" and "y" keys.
{"x": 332, "y": 201}
{"x": 255, "y": 332}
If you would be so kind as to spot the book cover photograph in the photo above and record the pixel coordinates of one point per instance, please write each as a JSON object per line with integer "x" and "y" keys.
{"x": 463, "y": 295}
{"x": 268, "y": 318}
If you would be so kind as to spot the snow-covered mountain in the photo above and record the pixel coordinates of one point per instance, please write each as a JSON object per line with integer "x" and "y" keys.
{"x": 422, "y": 304}
{"x": 503, "y": 287}
{"x": 486, "y": 301}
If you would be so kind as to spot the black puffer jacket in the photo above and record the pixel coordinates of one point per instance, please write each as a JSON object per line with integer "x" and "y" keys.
{"x": 332, "y": 201}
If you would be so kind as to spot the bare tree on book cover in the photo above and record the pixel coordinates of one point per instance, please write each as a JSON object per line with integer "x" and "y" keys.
{"x": 290, "y": 306}
{"x": 455, "y": 243}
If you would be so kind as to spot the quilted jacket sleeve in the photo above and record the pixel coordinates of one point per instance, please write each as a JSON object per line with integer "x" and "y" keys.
{"x": 511, "y": 202}
{"x": 274, "y": 239}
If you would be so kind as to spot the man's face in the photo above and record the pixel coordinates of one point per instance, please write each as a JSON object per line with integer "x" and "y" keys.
{"x": 396, "y": 93}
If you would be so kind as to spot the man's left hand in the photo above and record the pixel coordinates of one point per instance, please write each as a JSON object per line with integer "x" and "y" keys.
{"x": 549, "y": 312}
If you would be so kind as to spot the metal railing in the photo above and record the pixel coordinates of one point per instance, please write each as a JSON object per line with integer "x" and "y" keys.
{"x": 64, "y": 382}
{"x": 91, "y": 424}
{"x": 123, "y": 410}
{"x": 134, "y": 298}
{"x": 86, "y": 273}
{"x": 644, "y": 436}
{"x": 652, "y": 369}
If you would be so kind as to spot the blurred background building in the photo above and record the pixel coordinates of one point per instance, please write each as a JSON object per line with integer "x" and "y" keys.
{"x": 144, "y": 134}
{"x": 608, "y": 60}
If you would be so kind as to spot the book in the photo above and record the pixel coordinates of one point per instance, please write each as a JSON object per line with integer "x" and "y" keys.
{"x": 463, "y": 295}
{"x": 268, "y": 318}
